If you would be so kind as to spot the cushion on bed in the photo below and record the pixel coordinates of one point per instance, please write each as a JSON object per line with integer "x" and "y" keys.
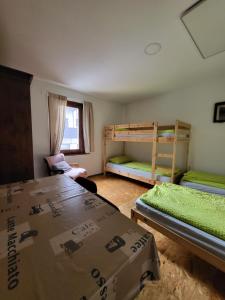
{"x": 76, "y": 172}
{"x": 61, "y": 166}
{"x": 205, "y": 178}
{"x": 120, "y": 159}
{"x": 199, "y": 209}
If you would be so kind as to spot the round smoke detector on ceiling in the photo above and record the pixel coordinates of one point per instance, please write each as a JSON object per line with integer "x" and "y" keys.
{"x": 152, "y": 48}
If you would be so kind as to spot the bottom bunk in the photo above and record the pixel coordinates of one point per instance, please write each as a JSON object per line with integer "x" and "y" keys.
{"x": 206, "y": 182}
{"x": 142, "y": 171}
{"x": 196, "y": 220}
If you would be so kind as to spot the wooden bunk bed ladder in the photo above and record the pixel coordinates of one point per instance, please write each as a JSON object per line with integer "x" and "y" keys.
{"x": 154, "y": 150}
{"x": 174, "y": 151}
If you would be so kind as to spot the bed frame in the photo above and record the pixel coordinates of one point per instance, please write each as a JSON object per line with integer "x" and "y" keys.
{"x": 148, "y": 133}
{"x": 190, "y": 246}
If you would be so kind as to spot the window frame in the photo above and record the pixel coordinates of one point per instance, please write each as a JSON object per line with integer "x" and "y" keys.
{"x": 81, "y": 135}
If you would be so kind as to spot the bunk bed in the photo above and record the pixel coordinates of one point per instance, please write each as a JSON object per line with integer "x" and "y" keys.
{"x": 154, "y": 134}
{"x": 203, "y": 181}
{"x": 194, "y": 219}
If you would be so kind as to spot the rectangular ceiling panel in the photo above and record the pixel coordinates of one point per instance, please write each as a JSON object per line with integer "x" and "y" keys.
{"x": 205, "y": 22}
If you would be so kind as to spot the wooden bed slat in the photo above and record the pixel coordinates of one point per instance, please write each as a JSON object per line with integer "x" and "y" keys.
{"x": 130, "y": 126}
{"x": 132, "y": 139}
{"x": 165, "y": 155}
{"x": 130, "y": 132}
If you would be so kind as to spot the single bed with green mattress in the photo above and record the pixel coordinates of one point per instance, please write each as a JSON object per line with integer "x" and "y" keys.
{"x": 142, "y": 169}
{"x": 203, "y": 181}
{"x": 196, "y": 216}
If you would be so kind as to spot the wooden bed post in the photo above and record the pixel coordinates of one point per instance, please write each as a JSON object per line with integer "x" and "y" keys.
{"x": 174, "y": 151}
{"x": 154, "y": 149}
{"x": 133, "y": 216}
{"x": 187, "y": 151}
{"x": 104, "y": 151}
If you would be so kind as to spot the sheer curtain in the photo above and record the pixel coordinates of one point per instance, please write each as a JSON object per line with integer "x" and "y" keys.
{"x": 88, "y": 127}
{"x": 57, "y": 105}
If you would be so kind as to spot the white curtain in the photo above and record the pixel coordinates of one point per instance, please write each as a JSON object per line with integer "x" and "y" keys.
{"x": 88, "y": 127}
{"x": 57, "y": 105}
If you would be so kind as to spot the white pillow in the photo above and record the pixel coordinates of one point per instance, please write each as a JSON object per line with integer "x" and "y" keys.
{"x": 61, "y": 166}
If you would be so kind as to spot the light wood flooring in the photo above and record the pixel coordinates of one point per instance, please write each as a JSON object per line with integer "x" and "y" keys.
{"x": 183, "y": 275}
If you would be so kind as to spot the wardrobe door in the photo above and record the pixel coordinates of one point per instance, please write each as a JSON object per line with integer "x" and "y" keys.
{"x": 16, "y": 150}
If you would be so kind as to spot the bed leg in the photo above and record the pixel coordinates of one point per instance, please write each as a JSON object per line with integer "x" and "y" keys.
{"x": 134, "y": 216}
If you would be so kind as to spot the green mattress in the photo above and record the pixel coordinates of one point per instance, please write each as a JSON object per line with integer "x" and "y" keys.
{"x": 147, "y": 167}
{"x": 168, "y": 131}
{"x": 199, "y": 209}
{"x": 205, "y": 178}
{"x": 122, "y": 129}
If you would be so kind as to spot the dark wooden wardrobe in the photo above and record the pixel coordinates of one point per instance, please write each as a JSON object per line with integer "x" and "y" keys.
{"x": 16, "y": 150}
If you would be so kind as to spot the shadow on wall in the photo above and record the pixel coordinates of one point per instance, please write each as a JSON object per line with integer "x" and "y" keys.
{"x": 40, "y": 166}
{"x": 22, "y": 56}
{"x": 3, "y": 49}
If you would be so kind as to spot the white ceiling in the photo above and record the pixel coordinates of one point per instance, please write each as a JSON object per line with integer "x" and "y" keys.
{"x": 97, "y": 46}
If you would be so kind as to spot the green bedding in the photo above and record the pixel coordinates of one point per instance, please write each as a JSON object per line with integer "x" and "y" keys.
{"x": 121, "y": 159}
{"x": 147, "y": 167}
{"x": 205, "y": 178}
{"x": 199, "y": 209}
{"x": 170, "y": 131}
{"x": 122, "y": 129}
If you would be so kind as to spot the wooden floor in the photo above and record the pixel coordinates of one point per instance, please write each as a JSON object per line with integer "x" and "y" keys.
{"x": 183, "y": 275}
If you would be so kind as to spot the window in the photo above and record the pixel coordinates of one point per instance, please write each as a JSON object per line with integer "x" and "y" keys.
{"x": 73, "y": 141}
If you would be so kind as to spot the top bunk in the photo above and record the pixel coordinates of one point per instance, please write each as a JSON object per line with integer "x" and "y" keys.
{"x": 148, "y": 132}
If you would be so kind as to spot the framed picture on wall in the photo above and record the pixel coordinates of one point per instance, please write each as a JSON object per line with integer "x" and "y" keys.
{"x": 219, "y": 112}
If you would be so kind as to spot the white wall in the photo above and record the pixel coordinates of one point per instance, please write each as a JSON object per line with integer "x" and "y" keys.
{"x": 105, "y": 112}
{"x": 195, "y": 105}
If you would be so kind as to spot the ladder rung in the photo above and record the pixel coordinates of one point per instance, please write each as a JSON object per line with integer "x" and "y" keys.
{"x": 165, "y": 155}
